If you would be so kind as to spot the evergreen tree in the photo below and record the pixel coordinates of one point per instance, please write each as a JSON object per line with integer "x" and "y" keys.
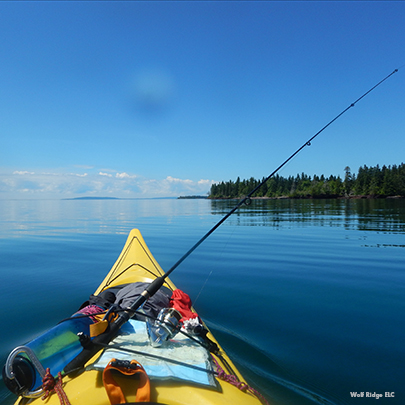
{"x": 375, "y": 181}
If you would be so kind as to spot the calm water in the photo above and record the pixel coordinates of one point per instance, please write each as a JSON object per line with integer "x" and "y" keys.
{"x": 306, "y": 296}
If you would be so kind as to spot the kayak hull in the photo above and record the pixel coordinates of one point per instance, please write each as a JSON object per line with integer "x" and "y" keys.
{"x": 137, "y": 264}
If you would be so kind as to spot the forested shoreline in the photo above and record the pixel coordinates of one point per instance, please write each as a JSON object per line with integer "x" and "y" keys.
{"x": 372, "y": 182}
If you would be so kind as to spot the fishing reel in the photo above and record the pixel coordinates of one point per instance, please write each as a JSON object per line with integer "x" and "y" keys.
{"x": 164, "y": 327}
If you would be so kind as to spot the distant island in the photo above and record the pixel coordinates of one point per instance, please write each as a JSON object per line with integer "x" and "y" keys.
{"x": 118, "y": 198}
{"x": 369, "y": 182}
{"x": 92, "y": 198}
{"x": 192, "y": 197}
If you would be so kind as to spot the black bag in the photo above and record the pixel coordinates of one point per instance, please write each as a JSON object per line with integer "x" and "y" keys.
{"x": 128, "y": 294}
{"x": 104, "y": 300}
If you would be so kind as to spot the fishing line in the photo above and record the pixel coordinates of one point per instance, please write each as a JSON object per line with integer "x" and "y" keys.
{"x": 202, "y": 287}
{"x": 246, "y": 200}
{"x": 210, "y": 273}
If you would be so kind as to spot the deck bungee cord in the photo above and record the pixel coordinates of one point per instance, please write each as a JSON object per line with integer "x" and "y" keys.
{"x": 99, "y": 342}
{"x": 206, "y": 343}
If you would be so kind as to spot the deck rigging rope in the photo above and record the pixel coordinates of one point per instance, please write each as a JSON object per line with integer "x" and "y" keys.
{"x": 233, "y": 380}
{"x": 50, "y": 385}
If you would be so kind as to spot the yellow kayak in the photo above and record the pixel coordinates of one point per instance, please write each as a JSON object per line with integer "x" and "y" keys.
{"x": 183, "y": 367}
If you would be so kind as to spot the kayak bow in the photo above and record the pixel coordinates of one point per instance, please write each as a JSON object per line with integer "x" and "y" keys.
{"x": 180, "y": 372}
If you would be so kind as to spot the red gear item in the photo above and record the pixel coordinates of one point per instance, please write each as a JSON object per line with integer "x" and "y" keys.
{"x": 182, "y": 303}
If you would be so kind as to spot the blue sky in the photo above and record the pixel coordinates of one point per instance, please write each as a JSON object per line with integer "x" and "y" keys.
{"x": 154, "y": 99}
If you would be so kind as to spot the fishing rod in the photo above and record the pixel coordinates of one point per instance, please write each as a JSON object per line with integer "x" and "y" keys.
{"x": 90, "y": 348}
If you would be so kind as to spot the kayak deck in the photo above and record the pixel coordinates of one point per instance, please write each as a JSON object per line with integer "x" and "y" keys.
{"x": 137, "y": 264}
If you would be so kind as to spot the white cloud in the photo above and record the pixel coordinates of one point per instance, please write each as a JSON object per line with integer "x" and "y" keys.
{"x": 171, "y": 179}
{"x": 208, "y": 183}
{"x": 124, "y": 176}
{"x": 51, "y": 184}
{"x": 79, "y": 175}
{"x": 22, "y": 172}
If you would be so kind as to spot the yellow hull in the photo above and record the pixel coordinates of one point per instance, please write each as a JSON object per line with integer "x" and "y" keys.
{"x": 137, "y": 264}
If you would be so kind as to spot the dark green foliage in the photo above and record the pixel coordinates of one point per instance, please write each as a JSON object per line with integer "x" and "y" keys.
{"x": 369, "y": 181}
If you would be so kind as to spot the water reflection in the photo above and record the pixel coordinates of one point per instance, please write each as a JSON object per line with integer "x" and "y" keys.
{"x": 362, "y": 214}
{"x": 50, "y": 217}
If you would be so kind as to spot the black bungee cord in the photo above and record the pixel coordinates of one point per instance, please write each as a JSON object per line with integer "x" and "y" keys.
{"x": 99, "y": 341}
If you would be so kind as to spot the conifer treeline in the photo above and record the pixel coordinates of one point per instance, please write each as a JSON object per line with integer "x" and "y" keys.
{"x": 370, "y": 181}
